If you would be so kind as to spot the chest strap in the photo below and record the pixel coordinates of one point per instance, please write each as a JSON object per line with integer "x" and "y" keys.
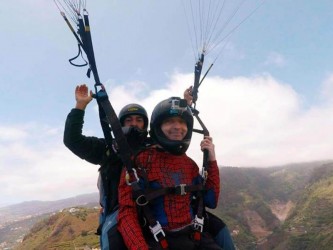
{"x": 145, "y": 196}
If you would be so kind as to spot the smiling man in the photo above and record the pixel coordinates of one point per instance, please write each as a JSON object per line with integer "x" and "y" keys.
{"x": 171, "y": 184}
{"x": 174, "y": 128}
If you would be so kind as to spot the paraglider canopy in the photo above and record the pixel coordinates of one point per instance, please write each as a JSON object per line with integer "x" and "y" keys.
{"x": 210, "y": 24}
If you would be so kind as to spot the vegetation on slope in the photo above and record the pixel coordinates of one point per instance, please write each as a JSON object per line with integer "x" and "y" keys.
{"x": 287, "y": 207}
{"x": 68, "y": 229}
{"x": 250, "y": 198}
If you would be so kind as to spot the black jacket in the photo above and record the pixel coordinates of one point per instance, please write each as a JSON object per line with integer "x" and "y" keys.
{"x": 95, "y": 151}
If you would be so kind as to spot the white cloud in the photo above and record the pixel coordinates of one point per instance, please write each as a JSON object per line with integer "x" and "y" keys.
{"x": 327, "y": 89}
{"x": 38, "y": 166}
{"x": 276, "y": 59}
{"x": 261, "y": 122}
{"x": 255, "y": 121}
{"x": 10, "y": 134}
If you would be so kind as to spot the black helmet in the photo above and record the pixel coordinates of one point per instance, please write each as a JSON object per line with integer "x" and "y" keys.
{"x": 174, "y": 106}
{"x": 133, "y": 109}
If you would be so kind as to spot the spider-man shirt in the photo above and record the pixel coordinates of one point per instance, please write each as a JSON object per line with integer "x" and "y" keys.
{"x": 163, "y": 169}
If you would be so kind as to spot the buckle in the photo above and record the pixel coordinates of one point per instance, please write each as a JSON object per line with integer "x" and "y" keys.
{"x": 127, "y": 177}
{"x": 198, "y": 223}
{"x": 181, "y": 189}
{"x": 141, "y": 200}
{"x": 156, "y": 230}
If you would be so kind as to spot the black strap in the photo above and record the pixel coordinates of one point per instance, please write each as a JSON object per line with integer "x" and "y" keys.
{"x": 89, "y": 48}
{"x": 107, "y": 114}
{"x": 105, "y": 126}
{"x": 197, "y": 75}
{"x": 78, "y": 54}
{"x": 144, "y": 196}
{"x": 124, "y": 149}
{"x": 148, "y": 195}
{"x": 199, "y": 218}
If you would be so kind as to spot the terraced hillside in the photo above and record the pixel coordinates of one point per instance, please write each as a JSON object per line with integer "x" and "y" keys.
{"x": 70, "y": 229}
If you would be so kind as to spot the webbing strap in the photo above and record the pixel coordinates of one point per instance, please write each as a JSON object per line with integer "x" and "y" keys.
{"x": 199, "y": 220}
{"x": 197, "y": 74}
{"x": 78, "y": 54}
{"x": 142, "y": 198}
{"x": 151, "y": 194}
{"x": 124, "y": 149}
{"x": 106, "y": 111}
{"x": 89, "y": 48}
{"x": 154, "y": 226}
{"x": 105, "y": 126}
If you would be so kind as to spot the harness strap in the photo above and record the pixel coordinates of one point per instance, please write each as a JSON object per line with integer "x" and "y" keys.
{"x": 124, "y": 149}
{"x": 154, "y": 225}
{"x": 78, "y": 54}
{"x": 198, "y": 221}
{"x": 146, "y": 196}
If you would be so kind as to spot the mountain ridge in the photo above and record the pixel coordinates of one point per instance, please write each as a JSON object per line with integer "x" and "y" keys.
{"x": 268, "y": 208}
{"x": 36, "y": 207}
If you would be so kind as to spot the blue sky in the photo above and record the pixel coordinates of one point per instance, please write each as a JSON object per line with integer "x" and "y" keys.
{"x": 267, "y": 101}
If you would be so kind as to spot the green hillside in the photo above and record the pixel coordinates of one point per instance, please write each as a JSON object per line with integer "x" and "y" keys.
{"x": 310, "y": 225}
{"x": 70, "y": 229}
{"x": 288, "y": 207}
{"x": 279, "y": 208}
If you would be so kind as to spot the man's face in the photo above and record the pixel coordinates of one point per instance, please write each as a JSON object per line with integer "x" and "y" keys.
{"x": 134, "y": 121}
{"x": 174, "y": 128}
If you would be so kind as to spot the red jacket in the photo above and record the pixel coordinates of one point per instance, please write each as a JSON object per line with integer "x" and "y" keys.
{"x": 172, "y": 211}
